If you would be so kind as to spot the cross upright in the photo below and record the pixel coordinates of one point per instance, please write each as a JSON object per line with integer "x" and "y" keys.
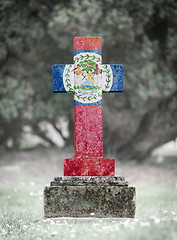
{"x": 87, "y": 79}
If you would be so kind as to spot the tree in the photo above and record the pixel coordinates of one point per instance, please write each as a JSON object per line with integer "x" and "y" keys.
{"x": 141, "y": 35}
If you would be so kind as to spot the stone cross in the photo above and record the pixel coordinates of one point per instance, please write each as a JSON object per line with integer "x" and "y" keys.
{"x": 87, "y": 79}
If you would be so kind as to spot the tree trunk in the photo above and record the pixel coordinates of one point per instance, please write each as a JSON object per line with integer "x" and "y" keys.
{"x": 156, "y": 127}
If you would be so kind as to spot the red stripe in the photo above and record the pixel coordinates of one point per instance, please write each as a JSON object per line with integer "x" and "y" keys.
{"x": 89, "y": 167}
{"x": 88, "y": 132}
{"x": 87, "y": 43}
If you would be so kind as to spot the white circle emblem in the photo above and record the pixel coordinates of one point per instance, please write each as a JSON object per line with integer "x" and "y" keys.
{"x": 87, "y": 78}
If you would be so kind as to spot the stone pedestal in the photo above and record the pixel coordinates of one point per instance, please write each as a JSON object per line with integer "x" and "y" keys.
{"x": 89, "y": 197}
{"x": 89, "y": 167}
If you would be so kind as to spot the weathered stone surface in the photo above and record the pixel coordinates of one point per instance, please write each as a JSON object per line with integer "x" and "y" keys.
{"x": 97, "y": 193}
{"x": 87, "y": 79}
{"x": 89, "y": 166}
{"x": 91, "y": 197}
{"x": 84, "y": 181}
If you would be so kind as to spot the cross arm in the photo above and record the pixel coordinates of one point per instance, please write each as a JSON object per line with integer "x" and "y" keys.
{"x": 57, "y": 71}
{"x": 59, "y": 76}
{"x": 117, "y": 79}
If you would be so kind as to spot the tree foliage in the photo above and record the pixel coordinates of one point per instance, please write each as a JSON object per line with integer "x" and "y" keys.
{"x": 140, "y": 34}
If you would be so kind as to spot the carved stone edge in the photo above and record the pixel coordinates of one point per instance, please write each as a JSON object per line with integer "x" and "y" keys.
{"x": 89, "y": 180}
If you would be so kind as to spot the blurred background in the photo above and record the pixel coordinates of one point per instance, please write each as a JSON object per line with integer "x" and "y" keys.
{"x": 37, "y": 125}
{"x": 141, "y": 35}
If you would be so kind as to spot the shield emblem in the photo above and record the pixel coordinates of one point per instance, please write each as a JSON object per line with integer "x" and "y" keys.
{"x": 90, "y": 77}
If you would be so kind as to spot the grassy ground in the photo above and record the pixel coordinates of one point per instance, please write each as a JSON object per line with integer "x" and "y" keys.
{"x": 21, "y": 203}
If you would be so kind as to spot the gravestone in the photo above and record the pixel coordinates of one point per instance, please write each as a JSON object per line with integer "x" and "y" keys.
{"x": 89, "y": 186}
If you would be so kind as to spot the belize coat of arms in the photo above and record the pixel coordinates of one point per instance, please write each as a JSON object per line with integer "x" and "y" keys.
{"x": 87, "y": 78}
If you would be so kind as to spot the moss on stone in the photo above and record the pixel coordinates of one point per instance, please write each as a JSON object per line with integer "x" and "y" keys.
{"x": 80, "y": 201}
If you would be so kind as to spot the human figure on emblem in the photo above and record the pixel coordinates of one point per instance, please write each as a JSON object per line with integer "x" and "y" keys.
{"x": 98, "y": 74}
{"x": 97, "y": 70}
{"x": 78, "y": 76}
{"x": 77, "y": 70}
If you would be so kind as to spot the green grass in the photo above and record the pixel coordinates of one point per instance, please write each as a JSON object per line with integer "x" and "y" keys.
{"x": 21, "y": 216}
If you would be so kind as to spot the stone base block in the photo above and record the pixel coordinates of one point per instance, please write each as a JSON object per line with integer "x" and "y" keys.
{"x": 89, "y": 167}
{"x": 89, "y": 197}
